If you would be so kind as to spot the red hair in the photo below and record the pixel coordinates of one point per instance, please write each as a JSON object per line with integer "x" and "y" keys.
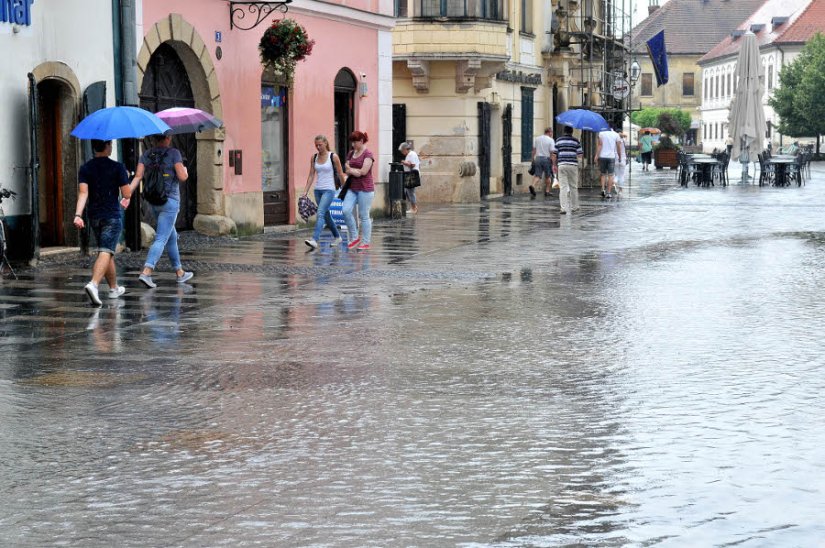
{"x": 359, "y": 136}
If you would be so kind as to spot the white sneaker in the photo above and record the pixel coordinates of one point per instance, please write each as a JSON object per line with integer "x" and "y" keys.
{"x": 115, "y": 292}
{"x": 147, "y": 281}
{"x": 185, "y": 277}
{"x": 337, "y": 241}
{"x": 311, "y": 243}
{"x": 91, "y": 291}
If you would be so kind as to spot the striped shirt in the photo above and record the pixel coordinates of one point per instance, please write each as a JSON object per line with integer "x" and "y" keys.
{"x": 568, "y": 150}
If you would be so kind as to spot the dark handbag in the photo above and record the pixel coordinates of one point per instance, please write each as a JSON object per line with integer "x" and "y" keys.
{"x": 412, "y": 179}
{"x": 532, "y": 170}
{"x": 344, "y": 189}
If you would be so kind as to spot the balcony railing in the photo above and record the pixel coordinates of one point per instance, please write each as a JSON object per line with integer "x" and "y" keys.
{"x": 490, "y": 10}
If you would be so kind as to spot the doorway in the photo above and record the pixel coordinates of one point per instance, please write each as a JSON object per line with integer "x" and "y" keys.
{"x": 165, "y": 85}
{"x": 345, "y": 86}
{"x": 484, "y": 116}
{"x": 57, "y": 181}
{"x": 275, "y": 150}
{"x": 507, "y": 148}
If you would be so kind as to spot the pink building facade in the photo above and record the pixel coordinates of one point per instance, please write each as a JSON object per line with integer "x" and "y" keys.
{"x": 249, "y": 174}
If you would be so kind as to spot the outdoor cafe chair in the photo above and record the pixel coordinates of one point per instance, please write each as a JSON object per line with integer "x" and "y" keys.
{"x": 767, "y": 174}
{"x": 687, "y": 169}
{"x": 720, "y": 171}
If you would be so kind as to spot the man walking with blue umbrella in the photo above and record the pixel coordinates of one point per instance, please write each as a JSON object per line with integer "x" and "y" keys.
{"x": 100, "y": 180}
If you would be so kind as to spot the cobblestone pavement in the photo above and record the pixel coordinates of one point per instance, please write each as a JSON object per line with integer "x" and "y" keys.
{"x": 645, "y": 371}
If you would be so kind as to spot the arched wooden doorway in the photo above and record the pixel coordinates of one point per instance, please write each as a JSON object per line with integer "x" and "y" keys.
{"x": 166, "y": 85}
{"x": 57, "y": 185}
{"x": 345, "y": 86}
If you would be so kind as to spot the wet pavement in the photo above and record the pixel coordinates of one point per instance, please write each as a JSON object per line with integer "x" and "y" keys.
{"x": 647, "y": 371}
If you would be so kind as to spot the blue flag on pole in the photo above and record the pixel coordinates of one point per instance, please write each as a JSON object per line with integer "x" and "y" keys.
{"x": 658, "y": 54}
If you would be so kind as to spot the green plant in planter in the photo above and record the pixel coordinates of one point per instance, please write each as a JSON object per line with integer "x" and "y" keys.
{"x": 666, "y": 143}
{"x": 283, "y": 44}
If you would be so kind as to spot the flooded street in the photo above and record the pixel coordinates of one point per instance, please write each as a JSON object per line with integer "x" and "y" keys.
{"x": 645, "y": 372}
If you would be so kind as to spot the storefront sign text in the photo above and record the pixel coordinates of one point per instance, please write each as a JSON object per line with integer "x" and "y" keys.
{"x": 519, "y": 77}
{"x": 16, "y": 12}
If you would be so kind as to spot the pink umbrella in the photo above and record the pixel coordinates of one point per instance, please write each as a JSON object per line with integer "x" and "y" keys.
{"x": 188, "y": 120}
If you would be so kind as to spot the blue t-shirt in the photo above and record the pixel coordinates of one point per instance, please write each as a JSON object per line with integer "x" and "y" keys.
{"x": 104, "y": 177}
{"x": 172, "y": 157}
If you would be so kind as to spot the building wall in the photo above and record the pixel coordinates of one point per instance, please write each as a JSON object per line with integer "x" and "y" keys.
{"x": 720, "y": 87}
{"x": 49, "y": 44}
{"x": 671, "y": 94}
{"x": 442, "y": 111}
{"x": 347, "y": 35}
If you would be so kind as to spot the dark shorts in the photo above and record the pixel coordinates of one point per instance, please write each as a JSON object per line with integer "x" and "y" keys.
{"x": 544, "y": 167}
{"x": 607, "y": 166}
{"x": 647, "y": 157}
{"x": 107, "y": 233}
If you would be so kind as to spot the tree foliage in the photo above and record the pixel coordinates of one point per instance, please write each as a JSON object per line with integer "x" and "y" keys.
{"x": 670, "y": 120}
{"x": 798, "y": 99}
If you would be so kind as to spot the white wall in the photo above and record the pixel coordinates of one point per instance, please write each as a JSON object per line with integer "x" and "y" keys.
{"x": 716, "y": 106}
{"x": 75, "y": 32}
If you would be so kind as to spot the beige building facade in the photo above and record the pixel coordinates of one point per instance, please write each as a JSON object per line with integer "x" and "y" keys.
{"x": 471, "y": 91}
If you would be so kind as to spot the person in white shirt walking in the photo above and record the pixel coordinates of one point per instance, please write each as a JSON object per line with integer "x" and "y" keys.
{"x": 607, "y": 152}
{"x": 543, "y": 148}
{"x": 622, "y": 165}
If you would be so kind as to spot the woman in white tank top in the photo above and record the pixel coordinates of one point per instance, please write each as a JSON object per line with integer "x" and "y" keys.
{"x": 321, "y": 168}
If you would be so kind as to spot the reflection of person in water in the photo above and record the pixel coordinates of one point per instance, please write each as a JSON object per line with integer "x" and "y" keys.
{"x": 164, "y": 328}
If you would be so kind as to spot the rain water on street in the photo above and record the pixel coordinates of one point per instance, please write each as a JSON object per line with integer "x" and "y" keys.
{"x": 644, "y": 372}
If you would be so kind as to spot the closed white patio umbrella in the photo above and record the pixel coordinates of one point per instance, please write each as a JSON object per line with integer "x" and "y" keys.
{"x": 747, "y": 116}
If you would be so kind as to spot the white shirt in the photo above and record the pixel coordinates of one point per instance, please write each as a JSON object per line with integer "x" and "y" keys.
{"x": 413, "y": 158}
{"x": 544, "y": 145}
{"x": 324, "y": 171}
{"x": 623, "y": 158}
{"x": 608, "y": 139}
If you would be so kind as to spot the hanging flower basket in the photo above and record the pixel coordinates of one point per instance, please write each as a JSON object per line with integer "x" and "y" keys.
{"x": 283, "y": 44}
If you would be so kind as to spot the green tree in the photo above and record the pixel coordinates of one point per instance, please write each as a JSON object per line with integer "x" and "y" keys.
{"x": 647, "y": 117}
{"x": 798, "y": 99}
{"x": 670, "y": 120}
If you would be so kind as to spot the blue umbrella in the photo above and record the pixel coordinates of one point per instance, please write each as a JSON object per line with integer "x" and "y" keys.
{"x": 119, "y": 123}
{"x": 583, "y": 119}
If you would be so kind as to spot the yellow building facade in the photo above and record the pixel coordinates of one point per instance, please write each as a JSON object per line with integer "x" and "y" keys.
{"x": 470, "y": 91}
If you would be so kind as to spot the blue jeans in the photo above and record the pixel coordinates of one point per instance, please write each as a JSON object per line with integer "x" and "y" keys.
{"x": 364, "y": 201}
{"x": 166, "y": 237}
{"x": 107, "y": 233}
{"x": 324, "y": 198}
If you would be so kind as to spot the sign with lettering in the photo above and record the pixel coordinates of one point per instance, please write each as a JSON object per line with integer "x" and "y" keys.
{"x": 16, "y": 12}
{"x": 270, "y": 97}
{"x": 621, "y": 89}
{"x": 519, "y": 77}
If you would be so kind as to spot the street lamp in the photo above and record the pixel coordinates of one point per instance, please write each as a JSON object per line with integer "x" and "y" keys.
{"x": 635, "y": 71}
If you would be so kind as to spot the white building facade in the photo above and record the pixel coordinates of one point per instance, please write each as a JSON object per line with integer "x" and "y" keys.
{"x": 781, "y": 27}
{"x": 55, "y": 53}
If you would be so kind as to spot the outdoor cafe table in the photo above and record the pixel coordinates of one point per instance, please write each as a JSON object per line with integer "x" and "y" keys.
{"x": 780, "y": 164}
{"x": 705, "y": 169}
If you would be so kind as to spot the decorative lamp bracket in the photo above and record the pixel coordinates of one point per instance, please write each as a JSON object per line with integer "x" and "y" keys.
{"x": 256, "y": 10}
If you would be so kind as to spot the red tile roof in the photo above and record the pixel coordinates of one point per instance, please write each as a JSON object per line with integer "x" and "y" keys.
{"x": 693, "y": 27}
{"x": 805, "y": 18}
{"x": 808, "y": 24}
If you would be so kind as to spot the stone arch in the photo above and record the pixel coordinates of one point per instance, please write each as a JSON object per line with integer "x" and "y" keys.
{"x": 59, "y": 71}
{"x": 178, "y": 33}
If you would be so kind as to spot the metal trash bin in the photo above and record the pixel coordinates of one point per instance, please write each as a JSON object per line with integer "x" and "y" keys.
{"x": 396, "y": 181}
{"x": 396, "y": 190}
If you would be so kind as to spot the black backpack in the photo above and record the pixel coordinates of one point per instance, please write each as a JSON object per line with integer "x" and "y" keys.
{"x": 154, "y": 179}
